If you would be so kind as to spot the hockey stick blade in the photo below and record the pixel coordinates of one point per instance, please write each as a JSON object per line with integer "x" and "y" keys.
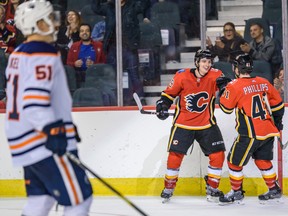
{"x": 283, "y": 146}
{"x": 137, "y": 100}
{"x": 140, "y": 106}
{"x": 77, "y": 162}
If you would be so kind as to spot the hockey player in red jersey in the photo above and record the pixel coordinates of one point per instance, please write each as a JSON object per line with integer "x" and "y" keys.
{"x": 194, "y": 120}
{"x": 255, "y": 127}
{"x": 39, "y": 124}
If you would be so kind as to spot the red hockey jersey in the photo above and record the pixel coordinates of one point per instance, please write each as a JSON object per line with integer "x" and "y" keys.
{"x": 195, "y": 107}
{"x": 252, "y": 116}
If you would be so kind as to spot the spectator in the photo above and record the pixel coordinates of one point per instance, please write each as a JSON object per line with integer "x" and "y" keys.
{"x": 130, "y": 40}
{"x": 227, "y": 47}
{"x": 98, "y": 31}
{"x": 84, "y": 53}
{"x": 279, "y": 82}
{"x": 10, "y": 6}
{"x": 60, "y": 5}
{"x": 195, "y": 19}
{"x": 68, "y": 33}
{"x": 3, "y": 65}
{"x": 7, "y": 34}
{"x": 261, "y": 47}
{"x": 147, "y": 13}
{"x": 10, "y": 10}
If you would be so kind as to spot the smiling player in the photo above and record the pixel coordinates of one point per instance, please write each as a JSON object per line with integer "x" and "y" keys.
{"x": 194, "y": 120}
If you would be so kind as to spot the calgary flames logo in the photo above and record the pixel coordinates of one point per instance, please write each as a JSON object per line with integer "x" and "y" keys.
{"x": 196, "y": 102}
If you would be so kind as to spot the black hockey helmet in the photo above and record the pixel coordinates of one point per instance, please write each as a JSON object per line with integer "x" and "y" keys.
{"x": 201, "y": 54}
{"x": 244, "y": 63}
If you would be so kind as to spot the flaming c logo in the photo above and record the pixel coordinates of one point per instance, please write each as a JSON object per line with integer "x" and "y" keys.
{"x": 196, "y": 102}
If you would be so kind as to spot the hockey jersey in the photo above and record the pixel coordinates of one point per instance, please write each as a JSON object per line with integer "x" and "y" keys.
{"x": 37, "y": 95}
{"x": 252, "y": 115}
{"x": 196, "y": 104}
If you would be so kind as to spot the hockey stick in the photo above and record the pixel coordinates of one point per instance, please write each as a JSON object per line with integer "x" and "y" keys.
{"x": 283, "y": 146}
{"x": 77, "y": 161}
{"x": 140, "y": 107}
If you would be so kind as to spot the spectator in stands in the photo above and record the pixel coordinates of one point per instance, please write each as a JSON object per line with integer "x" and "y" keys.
{"x": 61, "y": 6}
{"x": 3, "y": 65}
{"x": 84, "y": 53}
{"x": 227, "y": 47}
{"x": 130, "y": 40}
{"x": 279, "y": 82}
{"x": 272, "y": 11}
{"x": 98, "y": 31}
{"x": 261, "y": 47}
{"x": 10, "y": 6}
{"x": 147, "y": 13}
{"x": 68, "y": 33}
{"x": 10, "y": 10}
{"x": 7, "y": 34}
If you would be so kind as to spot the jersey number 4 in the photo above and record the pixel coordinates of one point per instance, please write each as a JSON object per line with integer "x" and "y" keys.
{"x": 258, "y": 110}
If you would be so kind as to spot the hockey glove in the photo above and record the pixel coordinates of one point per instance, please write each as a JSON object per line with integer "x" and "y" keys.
{"x": 162, "y": 108}
{"x": 221, "y": 83}
{"x": 56, "y": 137}
{"x": 278, "y": 122}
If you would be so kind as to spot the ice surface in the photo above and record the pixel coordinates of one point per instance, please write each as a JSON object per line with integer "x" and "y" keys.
{"x": 152, "y": 206}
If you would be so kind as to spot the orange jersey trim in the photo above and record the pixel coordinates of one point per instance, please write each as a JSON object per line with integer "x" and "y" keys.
{"x": 70, "y": 180}
{"x": 37, "y": 97}
{"x": 27, "y": 142}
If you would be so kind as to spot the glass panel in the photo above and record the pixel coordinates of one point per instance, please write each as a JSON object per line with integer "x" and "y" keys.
{"x": 246, "y": 27}
{"x": 163, "y": 38}
{"x": 174, "y": 26}
{"x": 91, "y": 72}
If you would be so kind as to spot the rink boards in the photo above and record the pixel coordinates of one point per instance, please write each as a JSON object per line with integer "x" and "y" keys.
{"x": 128, "y": 150}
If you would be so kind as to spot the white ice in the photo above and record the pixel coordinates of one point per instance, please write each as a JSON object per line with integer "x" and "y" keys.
{"x": 152, "y": 206}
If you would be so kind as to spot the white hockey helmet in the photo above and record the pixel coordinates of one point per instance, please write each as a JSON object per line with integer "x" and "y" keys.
{"x": 29, "y": 13}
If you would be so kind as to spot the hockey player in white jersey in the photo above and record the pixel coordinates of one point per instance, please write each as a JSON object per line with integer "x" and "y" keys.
{"x": 39, "y": 125}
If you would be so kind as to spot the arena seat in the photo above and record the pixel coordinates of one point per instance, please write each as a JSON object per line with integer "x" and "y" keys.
{"x": 148, "y": 52}
{"x": 87, "y": 97}
{"x": 71, "y": 78}
{"x": 226, "y": 68}
{"x": 103, "y": 77}
{"x": 262, "y": 69}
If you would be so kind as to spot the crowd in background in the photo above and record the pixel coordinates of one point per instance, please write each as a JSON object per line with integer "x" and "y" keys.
{"x": 85, "y": 41}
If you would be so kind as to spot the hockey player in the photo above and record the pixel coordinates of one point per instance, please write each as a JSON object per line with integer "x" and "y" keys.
{"x": 39, "y": 124}
{"x": 194, "y": 120}
{"x": 256, "y": 128}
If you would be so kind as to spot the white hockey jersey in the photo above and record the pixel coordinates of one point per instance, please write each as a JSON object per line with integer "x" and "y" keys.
{"x": 38, "y": 95}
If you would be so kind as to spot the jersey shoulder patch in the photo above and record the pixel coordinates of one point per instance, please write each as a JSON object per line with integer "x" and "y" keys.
{"x": 181, "y": 71}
